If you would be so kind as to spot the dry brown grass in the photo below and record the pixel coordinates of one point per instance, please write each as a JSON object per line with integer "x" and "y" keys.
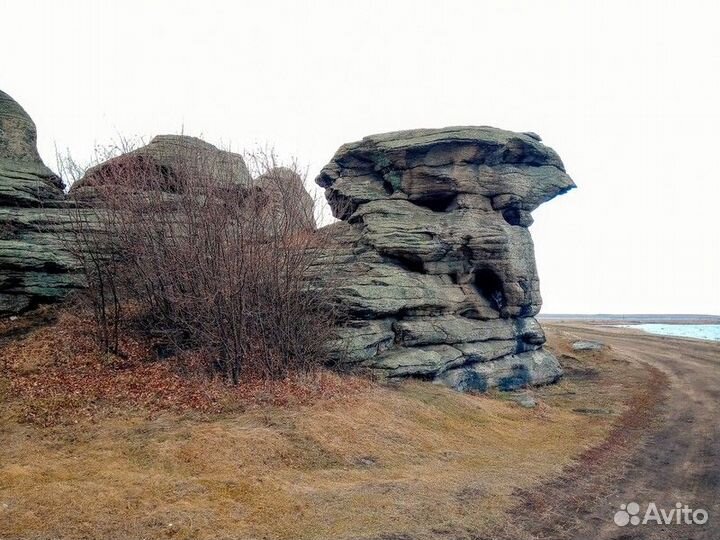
{"x": 415, "y": 460}
{"x": 594, "y": 382}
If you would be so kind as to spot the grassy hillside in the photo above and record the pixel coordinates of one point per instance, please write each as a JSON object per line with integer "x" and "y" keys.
{"x": 351, "y": 459}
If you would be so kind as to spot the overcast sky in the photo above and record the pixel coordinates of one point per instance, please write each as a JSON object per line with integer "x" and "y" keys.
{"x": 628, "y": 93}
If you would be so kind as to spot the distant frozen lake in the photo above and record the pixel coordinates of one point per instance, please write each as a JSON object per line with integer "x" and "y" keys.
{"x": 710, "y": 332}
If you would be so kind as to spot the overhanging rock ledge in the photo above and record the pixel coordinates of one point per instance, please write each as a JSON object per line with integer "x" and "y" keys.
{"x": 433, "y": 257}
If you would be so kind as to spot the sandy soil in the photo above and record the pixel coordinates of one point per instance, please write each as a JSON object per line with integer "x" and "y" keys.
{"x": 677, "y": 459}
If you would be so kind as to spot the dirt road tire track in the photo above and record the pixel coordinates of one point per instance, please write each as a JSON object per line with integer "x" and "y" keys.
{"x": 677, "y": 459}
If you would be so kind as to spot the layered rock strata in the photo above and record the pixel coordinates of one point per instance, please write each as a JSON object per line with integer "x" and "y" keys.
{"x": 34, "y": 268}
{"x": 433, "y": 258}
{"x": 37, "y": 217}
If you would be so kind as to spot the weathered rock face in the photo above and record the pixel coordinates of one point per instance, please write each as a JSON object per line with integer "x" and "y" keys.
{"x": 168, "y": 158}
{"x": 434, "y": 259}
{"x": 24, "y": 178}
{"x": 36, "y": 217}
{"x": 33, "y": 265}
{"x": 288, "y": 197}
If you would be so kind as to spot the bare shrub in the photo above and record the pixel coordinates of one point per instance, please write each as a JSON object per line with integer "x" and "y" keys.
{"x": 86, "y": 234}
{"x": 90, "y": 242}
{"x": 205, "y": 260}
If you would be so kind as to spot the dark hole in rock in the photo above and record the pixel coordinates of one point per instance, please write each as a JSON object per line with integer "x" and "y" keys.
{"x": 525, "y": 311}
{"x": 517, "y": 216}
{"x": 342, "y": 206}
{"x": 437, "y": 202}
{"x": 532, "y": 338}
{"x": 519, "y": 378}
{"x": 410, "y": 263}
{"x": 470, "y": 313}
{"x": 521, "y": 345}
{"x": 490, "y": 287}
{"x": 426, "y": 377}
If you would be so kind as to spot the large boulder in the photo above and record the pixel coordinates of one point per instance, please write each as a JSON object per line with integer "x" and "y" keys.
{"x": 163, "y": 164}
{"x": 433, "y": 257}
{"x": 34, "y": 265}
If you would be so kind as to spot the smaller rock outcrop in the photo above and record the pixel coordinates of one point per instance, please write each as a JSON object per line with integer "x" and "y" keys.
{"x": 25, "y": 181}
{"x": 585, "y": 345}
{"x": 288, "y": 198}
{"x": 168, "y": 161}
{"x": 164, "y": 162}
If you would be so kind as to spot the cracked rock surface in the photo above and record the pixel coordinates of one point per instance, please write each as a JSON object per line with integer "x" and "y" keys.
{"x": 433, "y": 257}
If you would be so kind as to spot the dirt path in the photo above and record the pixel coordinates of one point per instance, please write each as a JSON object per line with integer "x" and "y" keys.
{"x": 679, "y": 460}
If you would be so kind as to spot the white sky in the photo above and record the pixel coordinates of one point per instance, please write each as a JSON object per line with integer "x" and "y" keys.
{"x": 627, "y": 92}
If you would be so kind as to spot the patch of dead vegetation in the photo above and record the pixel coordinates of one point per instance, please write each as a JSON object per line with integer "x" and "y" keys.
{"x": 55, "y": 374}
{"x": 409, "y": 461}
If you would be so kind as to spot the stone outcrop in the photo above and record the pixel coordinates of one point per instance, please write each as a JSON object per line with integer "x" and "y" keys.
{"x": 34, "y": 268}
{"x": 293, "y": 205}
{"x": 36, "y": 216}
{"x": 433, "y": 257}
{"x": 168, "y": 158}
{"x": 24, "y": 179}
{"x": 586, "y": 345}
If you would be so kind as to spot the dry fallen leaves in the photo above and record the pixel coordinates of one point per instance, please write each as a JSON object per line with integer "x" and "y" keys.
{"x": 58, "y": 375}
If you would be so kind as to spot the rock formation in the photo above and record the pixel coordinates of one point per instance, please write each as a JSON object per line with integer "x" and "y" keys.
{"x": 167, "y": 160}
{"x": 168, "y": 157}
{"x": 33, "y": 266}
{"x": 24, "y": 178}
{"x": 289, "y": 199}
{"x": 35, "y": 213}
{"x": 433, "y": 258}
